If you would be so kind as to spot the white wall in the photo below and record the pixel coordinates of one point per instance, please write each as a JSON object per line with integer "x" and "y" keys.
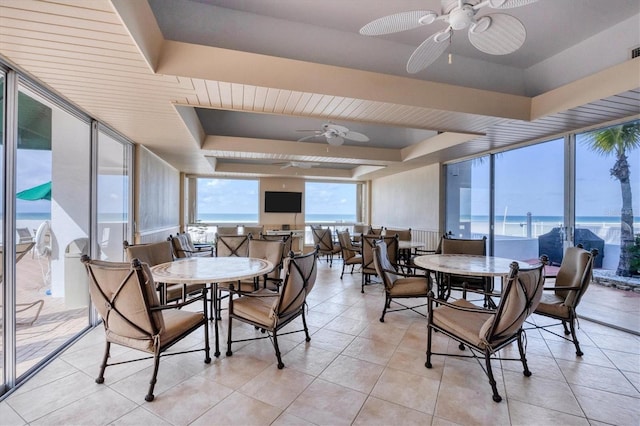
{"x": 407, "y": 200}
{"x": 276, "y": 220}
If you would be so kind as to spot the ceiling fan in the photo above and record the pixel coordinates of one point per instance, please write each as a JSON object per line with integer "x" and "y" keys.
{"x": 335, "y": 134}
{"x": 495, "y": 34}
{"x": 299, "y": 164}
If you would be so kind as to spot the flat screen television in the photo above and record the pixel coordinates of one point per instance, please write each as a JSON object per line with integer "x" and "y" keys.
{"x": 282, "y": 202}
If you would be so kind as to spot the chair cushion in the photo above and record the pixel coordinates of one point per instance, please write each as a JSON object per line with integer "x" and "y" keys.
{"x": 355, "y": 260}
{"x": 467, "y": 325}
{"x": 553, "y": 305}
{"x": 260, "y": 310}
{"x": 409, "y": 287}
{"x": 177, "y": 322}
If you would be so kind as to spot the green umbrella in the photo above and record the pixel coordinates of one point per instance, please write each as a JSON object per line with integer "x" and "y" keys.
{"x": 40, "y": 192}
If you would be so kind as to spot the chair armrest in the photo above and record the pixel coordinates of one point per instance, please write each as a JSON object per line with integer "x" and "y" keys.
{"x": 431, "y": 296}
{"x": 180, "y": 304}
{"x": 424, "y": 251}
{"x": 257, "y": 293}
{"x": 562, "y": 288}
{"x": 485, "y": 293}
{"x": 403, "y": 274}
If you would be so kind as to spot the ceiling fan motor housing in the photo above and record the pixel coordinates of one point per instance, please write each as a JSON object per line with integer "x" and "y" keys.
{"x": 460, "y": 18}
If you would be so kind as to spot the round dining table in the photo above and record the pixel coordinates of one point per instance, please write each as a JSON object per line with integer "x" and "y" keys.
{"x": 211, "y": 271}
{"x": 470, "y": 265}
{"x": 467, "y": 265}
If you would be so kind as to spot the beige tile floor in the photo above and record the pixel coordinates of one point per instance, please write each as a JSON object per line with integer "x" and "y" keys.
{"x": 355, "y": 370}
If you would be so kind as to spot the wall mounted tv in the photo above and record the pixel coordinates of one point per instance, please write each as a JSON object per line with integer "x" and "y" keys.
{"x": 282, "y": 202}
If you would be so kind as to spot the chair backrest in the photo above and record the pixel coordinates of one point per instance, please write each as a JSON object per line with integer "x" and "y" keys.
{"x": 464, "y": 246}
{"x": 123, "y": 294}
{"x": 375, "y": 231}
{"x": 268, "y": 250}
{"x": 253, "y": 230}
{"x": 188, "y": 240}
{"x": 391, "y": 243}
{"x": 21, "y": 250}
{"x": 403, "y": 234}
{"x": 180, "y": 245}
{"x": 520, "y": 297}
{"x": 232, "y": 245}
{"x": 324, "y": 240}
{"x": 24, "y": 235}
{"x": 348, "y": 251}
{"x": 575, "y": 271}
{"x": 316, "y": 232}
{"x": 152, "y": 254}
{"x": 384, "y": 267}
{"x": 358, "y": 230}
{"x": 227, "y": 230}
{"x": 286, "y": 241}
{"x": 299, "y": 277}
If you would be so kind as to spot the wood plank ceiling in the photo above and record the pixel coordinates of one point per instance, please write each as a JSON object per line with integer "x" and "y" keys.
{"x": 111, "y": 60}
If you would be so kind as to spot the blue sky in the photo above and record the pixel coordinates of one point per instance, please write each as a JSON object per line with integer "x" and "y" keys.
{"x": 225, "y": 196}
{"x": 531, "y": 179}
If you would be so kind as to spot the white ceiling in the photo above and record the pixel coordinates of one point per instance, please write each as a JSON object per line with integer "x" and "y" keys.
{"x": 221, "y": 87}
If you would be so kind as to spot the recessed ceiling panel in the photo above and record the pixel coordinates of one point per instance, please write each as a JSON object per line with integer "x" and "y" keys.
{"x": 291, "y": 128}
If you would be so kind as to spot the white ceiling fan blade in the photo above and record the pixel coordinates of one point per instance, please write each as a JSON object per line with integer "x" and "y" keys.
{"x": 355, "y": 136}
{"x": 335, "y": 141}
{"x": 398, "y": 22}
{"x": 334, "y": 128}
{"x": 306, "y": 138}
{"x": 505, "y": 35}
{"x": 509, "y": 4}
{"x": 305, "y": 165}
{"x": 427, "y": 52}
{"x": 286, "y": 166}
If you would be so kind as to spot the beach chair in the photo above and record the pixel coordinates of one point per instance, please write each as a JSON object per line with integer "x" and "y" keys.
{"x": 21, "y": 250}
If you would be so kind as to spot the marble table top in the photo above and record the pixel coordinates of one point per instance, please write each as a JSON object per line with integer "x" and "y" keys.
{"x": 210, "y": 269}
{"x": 460, "y": 264}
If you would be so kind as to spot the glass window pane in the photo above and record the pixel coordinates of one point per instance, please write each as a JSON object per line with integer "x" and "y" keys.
{"x": 227, "y": 201}
{"x": 328, "y": 202}
{"x": 467, "y": 199}
{"x": 52, "y": 215}
{"x": 113, "y": 197}
{"x": 607, "y": 218}
{"x": 529, "y": 202}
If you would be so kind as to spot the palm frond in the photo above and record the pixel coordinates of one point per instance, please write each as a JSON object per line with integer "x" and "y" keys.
{"x": 617, "y": 140}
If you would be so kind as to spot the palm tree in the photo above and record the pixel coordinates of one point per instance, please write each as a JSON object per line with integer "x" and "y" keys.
{"x": 618, "y": 140}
